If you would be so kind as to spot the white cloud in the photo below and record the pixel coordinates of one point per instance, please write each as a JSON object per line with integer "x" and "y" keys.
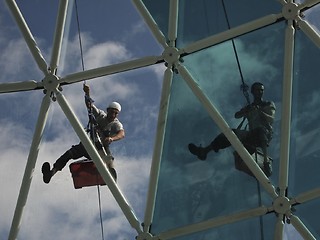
{"x": 15, "y": 58}
{"x": 105, "y": 54}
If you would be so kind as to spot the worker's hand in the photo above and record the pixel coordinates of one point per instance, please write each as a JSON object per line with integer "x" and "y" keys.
{"x": 245, "y": 110}
{"x": 109, "y": 140}
{"x": 88, "y": 103}
{"x": 86, "y": 89}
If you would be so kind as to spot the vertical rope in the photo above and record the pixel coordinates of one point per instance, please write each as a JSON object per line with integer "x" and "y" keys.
{"x": 83, "y": 68}
{"x": 100, "y": 212}
{"x": 244, "y": 88}
{"x": 79, "y": 34}
{"x": 260, "y": 203}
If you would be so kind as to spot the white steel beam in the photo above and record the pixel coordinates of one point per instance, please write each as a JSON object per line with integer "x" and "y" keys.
{"x": 308, "y": 4}
{"x": 224, "y": 127}
{"x": 310, "y": 32}
{"x": 28, "y": 173}
{"x": 278, "y": 233}
{"x": 57, "y": 41}
{"x": 154, "y": 28}
{"x": 31, "y": 42}
{"x": 232, "y": 33}
{"x": 112, "y": 69}
{"x": 119, "y": 197}
{"x": 173, "y": 22}
{"x": 306, "y": 196}
{"x": 283, "y": 2}
{"x": 301, "y": 228}
{"x": 212, "y": 223}
{"x": 286, "y": 109}
{"x": 158, "y": 146}
{"x": 19, "y": 86}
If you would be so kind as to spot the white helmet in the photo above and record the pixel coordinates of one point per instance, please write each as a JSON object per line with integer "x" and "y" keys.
{"x": 115, "y": 105}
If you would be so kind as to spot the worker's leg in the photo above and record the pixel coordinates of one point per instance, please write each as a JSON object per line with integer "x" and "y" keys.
{"x": 109, "y": 161}
{"x": 75, "y": 152}
{"x": 220, "y": 142}
{"x": 261, "y": 138}
{"x": 267, "y": 164}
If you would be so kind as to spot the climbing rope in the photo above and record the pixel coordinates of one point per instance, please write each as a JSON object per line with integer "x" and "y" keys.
{"x": 90, "y": 124}
{"x": 79, "y": 34}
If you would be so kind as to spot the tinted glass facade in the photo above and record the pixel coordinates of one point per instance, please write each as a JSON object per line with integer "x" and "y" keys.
{"x": 191, "y": 192}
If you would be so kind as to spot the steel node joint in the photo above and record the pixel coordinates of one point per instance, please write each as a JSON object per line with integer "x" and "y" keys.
{"x": 282, "y": 205}
{"x": 291, "y": 11}
{"x": 50, "y": 83}
{"x": 171, "y": 55}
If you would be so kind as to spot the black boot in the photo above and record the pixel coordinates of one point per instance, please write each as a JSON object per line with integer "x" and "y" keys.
{"x": 200, "y": 152}
{"x": 47, "y": 173}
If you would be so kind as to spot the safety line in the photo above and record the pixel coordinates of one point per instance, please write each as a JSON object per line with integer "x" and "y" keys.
{"x": 260, "y": 204}
{"x": 83, "y": 68}
{"x": 100, "y": 212}
{"x": 79, "y": 34}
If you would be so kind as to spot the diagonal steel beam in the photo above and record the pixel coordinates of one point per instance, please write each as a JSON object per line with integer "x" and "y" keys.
{"x": 173, "y": 22}
{"x": 212, "y": 223}
{"x": 20, "y": 86}
{"x": 310, "y": 32}
{"x": 308, "y": 4}
{"x": 108, "y": 70}
{"x": 57, "y": 41}
{"x": 150, "y": 22}
{"x": 306, "y": 196}
{"x": 283, "y": 2}
{"x": 31, "y": 42}
{"x": 286, "y": 110}
{"x": 278, "y": 232}
{"x": 28, "y": 174}
{"x": 301, "y": 228}
{"x": 157, "y": 152}
{"x": 232, "y": 33}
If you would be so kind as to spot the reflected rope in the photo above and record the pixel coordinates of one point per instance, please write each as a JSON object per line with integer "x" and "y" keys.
{"x": 244, "y": 88}
{"x": 82, "y": 62}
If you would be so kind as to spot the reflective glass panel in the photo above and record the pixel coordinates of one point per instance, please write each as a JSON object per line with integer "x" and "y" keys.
{"x": 305, "y": 154}
{"x": 186, "y": 187}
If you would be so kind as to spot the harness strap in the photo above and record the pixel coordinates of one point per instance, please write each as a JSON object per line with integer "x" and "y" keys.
{"x": 240, "y": 125}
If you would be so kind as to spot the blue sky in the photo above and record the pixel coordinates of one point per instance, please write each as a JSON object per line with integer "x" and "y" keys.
{"x": 111, "y": 32}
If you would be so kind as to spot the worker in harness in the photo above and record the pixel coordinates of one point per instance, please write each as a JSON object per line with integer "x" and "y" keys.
{"x": 260, "y": 115}
{"x": 108, "y": 129}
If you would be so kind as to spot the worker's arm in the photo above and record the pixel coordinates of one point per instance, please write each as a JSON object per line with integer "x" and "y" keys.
{"x": 243, "y": 111}
{"x": 269, "y": 112}
{"x": 88, "y": 100}
{"x": 117, "y": 137}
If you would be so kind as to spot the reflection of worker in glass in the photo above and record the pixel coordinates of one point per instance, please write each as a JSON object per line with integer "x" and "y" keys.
{"x": 260, "y": 115}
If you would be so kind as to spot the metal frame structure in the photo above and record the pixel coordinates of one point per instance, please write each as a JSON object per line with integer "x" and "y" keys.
{"x": 172, "y": 57}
